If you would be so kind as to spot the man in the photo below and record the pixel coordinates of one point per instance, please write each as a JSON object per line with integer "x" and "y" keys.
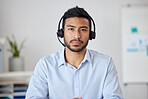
{"x": 75, "y": 72}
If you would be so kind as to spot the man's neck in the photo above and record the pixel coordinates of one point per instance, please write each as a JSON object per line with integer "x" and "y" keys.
{"x": 74, "y": 58}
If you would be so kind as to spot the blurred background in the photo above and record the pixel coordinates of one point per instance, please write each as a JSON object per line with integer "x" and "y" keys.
{"x": 37, "y": 21}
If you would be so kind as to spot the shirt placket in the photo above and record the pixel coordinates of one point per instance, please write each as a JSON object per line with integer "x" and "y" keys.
{"x": 76, "y": 84}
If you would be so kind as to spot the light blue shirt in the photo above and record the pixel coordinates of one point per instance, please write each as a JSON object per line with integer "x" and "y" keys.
{"x": 95, "y": 78}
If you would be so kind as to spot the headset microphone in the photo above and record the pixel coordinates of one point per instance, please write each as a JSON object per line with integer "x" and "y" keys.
{"x": 60, "y": 41}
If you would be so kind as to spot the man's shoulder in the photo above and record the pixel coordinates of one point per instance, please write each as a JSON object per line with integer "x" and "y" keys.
{"x": 52, "y": 57}
{"x": 95, "y": 55}
{"x": 98, "y": 54}
{"x": 99, "y": 59}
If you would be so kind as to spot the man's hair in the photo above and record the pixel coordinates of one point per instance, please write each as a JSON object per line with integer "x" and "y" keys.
{"x": 76, "y": 12}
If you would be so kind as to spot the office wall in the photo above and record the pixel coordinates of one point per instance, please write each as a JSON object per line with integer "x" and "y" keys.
{"x": 37, "y": 21}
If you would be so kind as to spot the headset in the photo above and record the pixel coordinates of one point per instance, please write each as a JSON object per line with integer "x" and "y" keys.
{"x": 60, "y": 32}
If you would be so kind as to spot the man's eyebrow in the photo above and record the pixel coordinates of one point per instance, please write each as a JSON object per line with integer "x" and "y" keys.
{"x": 70, "y": 26}
{"x": 75, "y": 26}
{"x": 84, "y": 27}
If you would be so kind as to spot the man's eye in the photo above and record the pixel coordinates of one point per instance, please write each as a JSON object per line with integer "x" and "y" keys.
{"x": 70, "y": 29}
{"x": 83, "y": 30}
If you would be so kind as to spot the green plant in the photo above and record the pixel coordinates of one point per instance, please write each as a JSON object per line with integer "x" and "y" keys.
{"x": 14, "y": 49}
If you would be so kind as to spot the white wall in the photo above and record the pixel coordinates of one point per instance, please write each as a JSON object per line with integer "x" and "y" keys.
{"x": 37, "y": 21}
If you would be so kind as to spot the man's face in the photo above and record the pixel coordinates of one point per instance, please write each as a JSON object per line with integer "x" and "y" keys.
{"x": 76, "y": 33}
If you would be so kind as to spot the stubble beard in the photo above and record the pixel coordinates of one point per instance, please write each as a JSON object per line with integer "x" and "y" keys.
{"x": 75, "y": 50}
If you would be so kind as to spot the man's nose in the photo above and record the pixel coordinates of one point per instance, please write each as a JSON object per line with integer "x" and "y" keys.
{"x": 77, "y": 34}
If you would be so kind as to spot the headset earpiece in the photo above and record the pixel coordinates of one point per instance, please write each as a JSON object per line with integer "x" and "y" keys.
{"x": 92, "y": 35}
{"x": 60, "y": 33}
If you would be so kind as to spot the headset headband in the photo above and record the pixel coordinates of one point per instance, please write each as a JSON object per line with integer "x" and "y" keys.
{"x": 91, "y": 19}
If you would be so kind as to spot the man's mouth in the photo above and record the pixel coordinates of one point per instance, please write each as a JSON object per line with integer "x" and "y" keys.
{"x": 76, "y": 42}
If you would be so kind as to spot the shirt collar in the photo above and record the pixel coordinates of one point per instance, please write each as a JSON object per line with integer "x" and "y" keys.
{"x": 61, "y": 58}
{"x": 87, "y": 57}
{"x": 62, "y": 61}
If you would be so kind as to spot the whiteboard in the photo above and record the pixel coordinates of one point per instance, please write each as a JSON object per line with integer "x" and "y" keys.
{"x": 134, "y": 32}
